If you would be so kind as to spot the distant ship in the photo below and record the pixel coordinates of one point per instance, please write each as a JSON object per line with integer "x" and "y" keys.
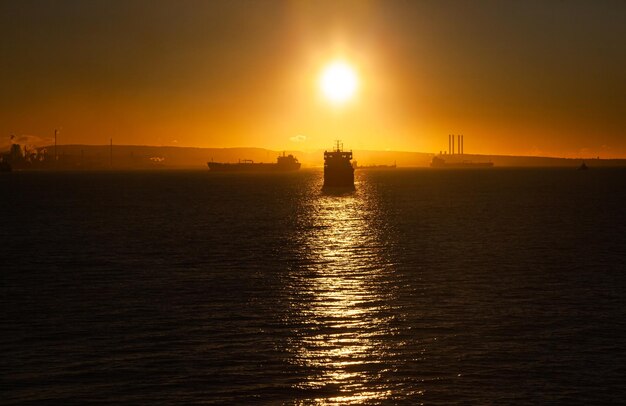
{"x": 283, "y": 164}
{"x": 338, "y": 171}
{"x": 439, "y": 162}
{"x": 360, "y": 167}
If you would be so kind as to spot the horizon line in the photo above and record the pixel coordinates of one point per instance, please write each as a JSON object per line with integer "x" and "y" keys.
{"x": 597, "y": 157}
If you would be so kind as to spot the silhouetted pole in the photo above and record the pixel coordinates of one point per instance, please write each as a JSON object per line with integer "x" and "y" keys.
{"x": 55, "y": 145}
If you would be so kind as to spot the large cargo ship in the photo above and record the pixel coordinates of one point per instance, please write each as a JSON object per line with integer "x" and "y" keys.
{"x": 338, "y": 170}
{"x": 284, "y": 163}
{"x": 439, "y": 162}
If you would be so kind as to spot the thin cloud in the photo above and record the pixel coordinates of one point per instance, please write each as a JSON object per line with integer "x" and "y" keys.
{"x": 298, "y": 138}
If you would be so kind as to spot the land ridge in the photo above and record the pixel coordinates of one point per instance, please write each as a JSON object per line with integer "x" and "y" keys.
{"x": 78, "y": 156}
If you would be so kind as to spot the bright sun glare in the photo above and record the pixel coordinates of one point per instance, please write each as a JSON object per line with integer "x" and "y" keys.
{"x": 338, "y": 82}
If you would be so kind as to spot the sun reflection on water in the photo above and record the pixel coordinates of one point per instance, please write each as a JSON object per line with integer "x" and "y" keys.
{"x": 341, "y": 294}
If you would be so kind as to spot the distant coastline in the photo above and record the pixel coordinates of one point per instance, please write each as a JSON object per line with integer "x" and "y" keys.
{"x": 129, "y": 157}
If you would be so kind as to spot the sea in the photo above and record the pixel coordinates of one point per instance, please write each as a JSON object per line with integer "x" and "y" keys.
{"x": 437, "y": 287}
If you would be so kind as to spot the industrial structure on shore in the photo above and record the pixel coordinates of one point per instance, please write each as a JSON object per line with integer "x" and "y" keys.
{"x": 456, "y": 160}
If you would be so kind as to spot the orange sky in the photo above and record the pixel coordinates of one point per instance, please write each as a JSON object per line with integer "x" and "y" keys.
{"x": 531, "y": 78}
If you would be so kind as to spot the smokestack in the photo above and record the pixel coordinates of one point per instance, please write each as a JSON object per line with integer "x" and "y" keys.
{"x": 458, "y": 139}
{"x": 452, "y": 144}
{"x": 462, "y": 144}
{"x": 449, "y": 144}
{"x": 111, "y": 152}
{"x": 55, "y": 145}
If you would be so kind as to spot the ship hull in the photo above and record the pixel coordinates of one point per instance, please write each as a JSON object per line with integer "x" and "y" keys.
{"x": 440, "y": 163}
{"x": 463, "y": 165}
{"x": 251, "y": 167}
{"x": 339, "y": 178}
{"x": 375, "y": 168}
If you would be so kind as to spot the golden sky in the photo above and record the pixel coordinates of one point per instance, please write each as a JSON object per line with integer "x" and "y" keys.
{"x": 527, "y": 78}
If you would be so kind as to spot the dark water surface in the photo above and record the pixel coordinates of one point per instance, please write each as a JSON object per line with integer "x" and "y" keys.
{"x": 440, "y": 287}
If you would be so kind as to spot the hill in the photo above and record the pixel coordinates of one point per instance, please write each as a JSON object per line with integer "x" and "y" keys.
{"x": 146, "y": 157}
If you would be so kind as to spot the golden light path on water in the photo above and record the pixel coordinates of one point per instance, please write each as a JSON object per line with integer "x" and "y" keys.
{"x": 343, "y": 300}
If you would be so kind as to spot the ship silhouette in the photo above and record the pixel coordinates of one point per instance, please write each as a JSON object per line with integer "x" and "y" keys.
{"x": 366, "y": 167}
{"x": 284, "y": 163}
{"x": 439, "y": 162}
{"x": 338, "y": 170}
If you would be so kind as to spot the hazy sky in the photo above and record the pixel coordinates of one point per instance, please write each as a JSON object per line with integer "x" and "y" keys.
{"x": 518, "y": 77}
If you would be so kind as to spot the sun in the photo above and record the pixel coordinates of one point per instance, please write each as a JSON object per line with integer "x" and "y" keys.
{"x": 338, "y": 82}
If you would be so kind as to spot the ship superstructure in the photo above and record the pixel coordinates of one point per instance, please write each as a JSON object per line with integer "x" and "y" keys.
{"x": 338, "y": 170}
